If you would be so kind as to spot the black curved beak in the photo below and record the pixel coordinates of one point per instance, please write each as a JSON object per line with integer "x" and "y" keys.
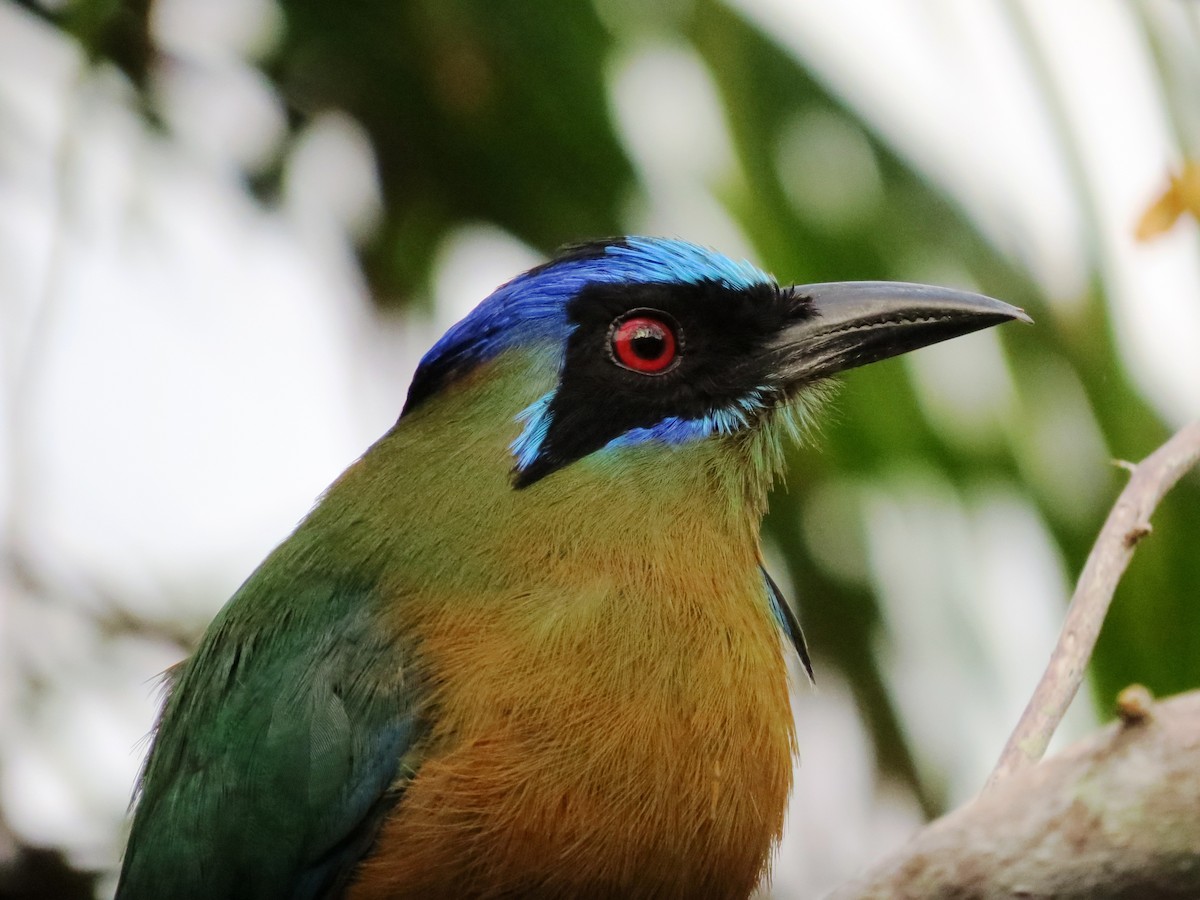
{"x": 846, "y": 324}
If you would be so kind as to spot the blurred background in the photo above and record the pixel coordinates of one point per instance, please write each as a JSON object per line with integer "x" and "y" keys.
{"x": 229, "y": 228}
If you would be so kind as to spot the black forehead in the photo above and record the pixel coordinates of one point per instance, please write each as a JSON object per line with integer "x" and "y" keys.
{"x": 737, "y": 317}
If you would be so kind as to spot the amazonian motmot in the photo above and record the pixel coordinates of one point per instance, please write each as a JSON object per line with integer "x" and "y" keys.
{"x": 526, "y": 646}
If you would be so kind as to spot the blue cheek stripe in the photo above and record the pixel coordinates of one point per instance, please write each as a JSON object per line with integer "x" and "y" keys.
{"x": 675, "y": 431}
{"x": 672, "y": 431}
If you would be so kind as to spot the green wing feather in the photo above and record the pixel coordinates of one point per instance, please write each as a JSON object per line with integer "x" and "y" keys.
{"x": 278, "y": 752}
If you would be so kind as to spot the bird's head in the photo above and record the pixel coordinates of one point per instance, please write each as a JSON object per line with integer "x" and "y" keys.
{"x": 644, "y": 341}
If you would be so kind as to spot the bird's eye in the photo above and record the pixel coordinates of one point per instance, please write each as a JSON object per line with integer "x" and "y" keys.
{"x": 645, "y": 342}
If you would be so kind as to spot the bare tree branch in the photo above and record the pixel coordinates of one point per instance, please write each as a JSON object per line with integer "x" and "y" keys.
{"x": 1113, "y": 816}
{"x": 1126, "y": 525}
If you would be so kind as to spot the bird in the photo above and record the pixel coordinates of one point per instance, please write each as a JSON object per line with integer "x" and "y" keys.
{"x": 526, "y": 645}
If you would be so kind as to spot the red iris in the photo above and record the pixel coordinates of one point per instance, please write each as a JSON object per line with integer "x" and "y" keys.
{"x": 644, "y": 344}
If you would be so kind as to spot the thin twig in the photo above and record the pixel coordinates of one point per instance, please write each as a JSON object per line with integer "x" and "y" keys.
{"x": 1126, "y": 525}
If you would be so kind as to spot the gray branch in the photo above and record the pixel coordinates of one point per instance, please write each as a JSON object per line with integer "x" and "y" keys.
{"x": 1116, "y": 815}
{"x": 1126, "y": 525}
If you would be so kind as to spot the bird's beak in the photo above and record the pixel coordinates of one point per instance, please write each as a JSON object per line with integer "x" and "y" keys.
{"x": 843, "y": 325}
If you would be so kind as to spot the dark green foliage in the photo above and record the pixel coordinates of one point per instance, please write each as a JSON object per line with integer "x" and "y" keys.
{"x": 115, "y": 31}
{"x": 477, "y": 110}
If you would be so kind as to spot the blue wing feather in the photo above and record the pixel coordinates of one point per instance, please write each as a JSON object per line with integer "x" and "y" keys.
{"x": 788, "y": 622}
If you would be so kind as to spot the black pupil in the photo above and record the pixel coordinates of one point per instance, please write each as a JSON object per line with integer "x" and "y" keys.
{"x": 648, "y": 343}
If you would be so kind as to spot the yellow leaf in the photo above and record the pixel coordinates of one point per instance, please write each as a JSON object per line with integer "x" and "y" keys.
{"x": 1181, "y": 196}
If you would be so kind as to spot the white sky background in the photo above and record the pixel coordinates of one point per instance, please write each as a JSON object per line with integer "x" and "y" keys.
{"x": 183, "y": 372}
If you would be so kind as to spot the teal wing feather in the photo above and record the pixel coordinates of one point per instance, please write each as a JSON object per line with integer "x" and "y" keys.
{"x": 279, "y": 751}
{"x": 787, "y": 621}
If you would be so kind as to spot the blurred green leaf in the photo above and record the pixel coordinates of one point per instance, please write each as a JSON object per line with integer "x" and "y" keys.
{"x": 117, "y": 31}
{"x": 477, "y": 110}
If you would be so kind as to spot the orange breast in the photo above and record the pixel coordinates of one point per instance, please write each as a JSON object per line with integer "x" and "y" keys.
{"x": 628, "y": 740}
